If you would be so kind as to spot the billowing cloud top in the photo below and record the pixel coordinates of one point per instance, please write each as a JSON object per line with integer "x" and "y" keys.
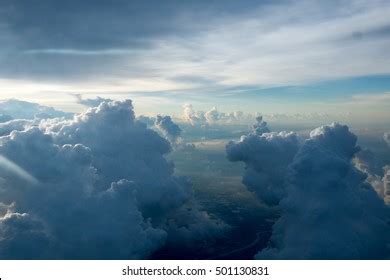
{"x": 328, "y": 210}
{"x": 101, "y": 188}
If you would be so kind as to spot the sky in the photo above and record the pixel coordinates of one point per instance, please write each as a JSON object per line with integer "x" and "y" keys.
{"x": 194, "y": 129}
{"x": 254, "y": 56}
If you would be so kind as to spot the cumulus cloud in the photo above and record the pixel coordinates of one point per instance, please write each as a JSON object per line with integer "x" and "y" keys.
{"x": 191, "y": 116}
{"x": 149, "y": 121}
{"x": 168, "y": 128}
{"x": 90, "y": 102}
{"x": 17, "y": 124}
{"x": 266, "y": 156}
{"x": 214, "y": 117}
{"x": 64, "y": 210}
{"x": 104, "y": 189}
{"x": 260, "y": 126}
{"x": 329, "y": 211}
{"x": 17, "y": 109}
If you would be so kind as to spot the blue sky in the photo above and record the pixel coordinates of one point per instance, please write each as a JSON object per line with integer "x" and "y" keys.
{"x": 271, "y": 56}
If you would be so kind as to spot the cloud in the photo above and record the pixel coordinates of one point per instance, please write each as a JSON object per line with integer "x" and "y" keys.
{"x": 90, "y": 102}
{"x": 71, "y": 214}
{"x": 149, "y": 121}
{"x": 104, "y": 190}
{"x": 329, "y": 211}
{"x": 191, "y": 116}
{"x": 21, "y": 232}
{"x": 168, "y": 128}
{"x": 214, "y": 117}
{"x": 266, "y": 156}
{"x": 17, "y": 109}
{"x": 386, "y": 137}
{"x": 10, "y": 167}
{"x": 5, "y": 118}
{"x": 366, "y": 162}
{"x": 17, "y": 124}
{"x": 190, "y": 41}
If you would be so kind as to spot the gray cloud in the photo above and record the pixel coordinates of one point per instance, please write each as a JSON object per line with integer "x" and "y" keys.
{"x": 17, "y": 109}
{"x": 329, "y": 212}
{"x": 127, "y": 44}
{"x": 386, "y": 137}
{"x": 90, "y": 102}
{"x": 105, "y": 190}
{"x": 168, "y": 128}
{"x": 260, "y": 126}
{"x": 266, "y": 156}
{"x": 149, "y": 121}
{"x": 71, "y": 215}
{"x": 18, "y": 124}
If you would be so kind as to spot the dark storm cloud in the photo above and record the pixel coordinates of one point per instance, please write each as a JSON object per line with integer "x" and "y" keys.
{"x": 18, "y": 125}
{"x": 168, "y": 128}
{"x": 149, "y": 121}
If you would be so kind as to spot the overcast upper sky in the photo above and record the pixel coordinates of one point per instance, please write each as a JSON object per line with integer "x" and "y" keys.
{"x": 271, "y": 56}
